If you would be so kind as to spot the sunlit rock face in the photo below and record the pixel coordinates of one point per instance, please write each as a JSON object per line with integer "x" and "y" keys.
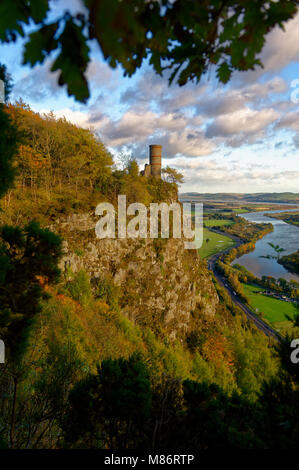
{"x": 163, "y": 286}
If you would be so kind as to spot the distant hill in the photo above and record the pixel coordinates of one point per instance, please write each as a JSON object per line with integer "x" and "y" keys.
{"x": 250, "y": 197}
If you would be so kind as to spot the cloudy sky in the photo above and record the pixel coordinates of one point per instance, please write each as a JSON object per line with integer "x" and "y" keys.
{"x": 242, "y": 137}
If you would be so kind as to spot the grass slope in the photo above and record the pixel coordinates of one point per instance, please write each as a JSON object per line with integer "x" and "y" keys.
{"x": 217, "y": 222}
{"x": 273, "y": 310}
{"x": 216, "y": 243}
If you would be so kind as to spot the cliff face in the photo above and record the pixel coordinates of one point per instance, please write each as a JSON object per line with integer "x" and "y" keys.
{"x": 162, "y": 285}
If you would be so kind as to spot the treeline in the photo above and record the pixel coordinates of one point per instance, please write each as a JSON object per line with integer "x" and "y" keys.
{"x": 237, "y": 275}
{"x": 233, "y": 278}
{"x": 288, "y": 217}
{"x": 118, "y": 408}
{"x": 290, "y": 262}
{"x": 247, "y": 231}
{"x": 280, "y": 285}
{"x": 232, "y": 275}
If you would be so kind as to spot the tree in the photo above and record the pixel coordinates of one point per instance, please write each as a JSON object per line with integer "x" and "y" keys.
{"x": 278, "y": 250}
{"x": 9, "y": 138}
{"x": 172, "y": 176}
{"x": 56, "y": 156}
{"x": 182, "y": 37}
{"x": 8, "y": 150}
{"x": 109, "y": 409}
{"x": 125, "y": 160}
{"x": 7, "y": 79}
{"x": 26, "y": 255}
{"x": 133, "y": 169}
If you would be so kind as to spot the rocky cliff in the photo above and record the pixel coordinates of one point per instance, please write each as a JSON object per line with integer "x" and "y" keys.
{"x": 162, "y": 285}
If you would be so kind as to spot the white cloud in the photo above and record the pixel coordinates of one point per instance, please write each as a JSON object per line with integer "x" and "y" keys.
{"x": 76, "y": 117}
{"x": 38, "y": 84}
{"x": 99, "y": 74}
{"x": 289, "y": 121}
{"x": 227, "y": 101}
{"x": 282, "y": 46}
{"x": 244, "y": 123}
{"x": 178, "y": 133}
{"x": 221, "y": 177}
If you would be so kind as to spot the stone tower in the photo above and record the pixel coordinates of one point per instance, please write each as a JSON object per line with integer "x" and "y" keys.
{"x": 155, "y": 162}
{"x": 155, "y": 158}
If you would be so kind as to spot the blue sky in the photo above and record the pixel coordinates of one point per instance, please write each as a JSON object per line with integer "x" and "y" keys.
{"x": 242, "y": 137}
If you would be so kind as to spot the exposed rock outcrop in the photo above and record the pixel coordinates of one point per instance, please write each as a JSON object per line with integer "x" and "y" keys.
{"x": 163, "y": 285}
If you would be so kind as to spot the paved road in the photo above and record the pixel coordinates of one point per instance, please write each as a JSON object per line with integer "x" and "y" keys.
{"x": 260, "y": 324}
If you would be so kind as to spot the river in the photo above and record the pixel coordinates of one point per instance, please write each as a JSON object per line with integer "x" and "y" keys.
{"x": 285, "y": 235}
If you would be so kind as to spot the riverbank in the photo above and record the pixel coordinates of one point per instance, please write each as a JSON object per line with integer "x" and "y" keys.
{"x": 284, "y": 235}
{"x": 273, "y": 301}
{"x": 287, "y": 217}
{"x": 223, "y": 283}
{"x": 290, "y": 262}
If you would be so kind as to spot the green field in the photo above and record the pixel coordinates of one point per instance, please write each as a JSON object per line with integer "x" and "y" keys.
{"x": 273, "y": 310}
{"x": 216, "y": 243}
{"x": 217, "y": 222}
{"x": 240, "y": 211}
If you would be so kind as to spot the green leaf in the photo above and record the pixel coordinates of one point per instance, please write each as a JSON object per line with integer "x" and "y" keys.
{"x": 40, "y": 44}
{"x": 39, "y": 9}
{"x": 14, "y": 13}
{"x": 224, "y": 72}
{"x": 231, "y": 34}
{"x": 73, "y": 60}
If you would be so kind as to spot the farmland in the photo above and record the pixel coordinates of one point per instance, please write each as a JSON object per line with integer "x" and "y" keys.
{"x": 217, "y": 222}
{"x": 213, "y": 243}
{"x": 273, "y": 310}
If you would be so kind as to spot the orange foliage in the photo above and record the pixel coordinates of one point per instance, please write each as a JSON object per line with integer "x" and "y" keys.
{"x": 43, "y": 281}
{"x": 216, "y": 349}
{"x": 32, "y": 158}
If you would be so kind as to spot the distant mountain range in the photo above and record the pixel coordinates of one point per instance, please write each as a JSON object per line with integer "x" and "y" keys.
{"x": 250, "y": 197}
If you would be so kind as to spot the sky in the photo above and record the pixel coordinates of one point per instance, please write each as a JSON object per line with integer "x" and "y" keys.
{"x": 240, "y": 137}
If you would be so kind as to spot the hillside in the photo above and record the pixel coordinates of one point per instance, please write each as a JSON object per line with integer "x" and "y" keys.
{"x": 148, "y": 307}
{"x": 291, "y": 198}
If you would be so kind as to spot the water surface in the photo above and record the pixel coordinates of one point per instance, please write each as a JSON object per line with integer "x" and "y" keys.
{"x": 285, "y": 235}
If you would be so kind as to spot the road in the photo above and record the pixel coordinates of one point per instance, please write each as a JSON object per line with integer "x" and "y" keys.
{"x": 260, "y": 324}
